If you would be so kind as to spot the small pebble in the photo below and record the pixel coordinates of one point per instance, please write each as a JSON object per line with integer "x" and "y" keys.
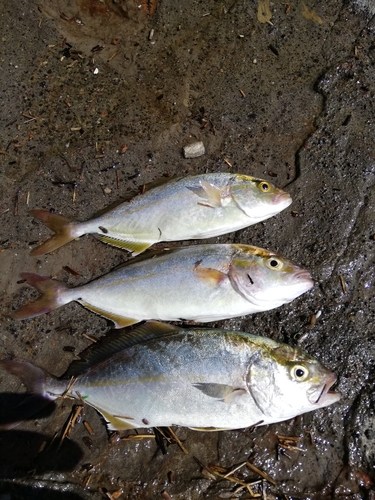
{"x": 194, "y": 150}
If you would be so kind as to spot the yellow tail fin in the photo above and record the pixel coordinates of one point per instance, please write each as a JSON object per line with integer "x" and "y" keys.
{"x": 50, "y": 300}
{"x": 62, "y": 227}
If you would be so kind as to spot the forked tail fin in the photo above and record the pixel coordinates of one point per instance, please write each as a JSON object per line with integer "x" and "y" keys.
{"x": 51, "y": 299}
{"x": 64, "y": 230}
{"x": 33, "y": 401}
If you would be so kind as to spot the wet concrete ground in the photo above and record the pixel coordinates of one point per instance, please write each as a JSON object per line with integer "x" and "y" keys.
{"x": 290, "y": 100}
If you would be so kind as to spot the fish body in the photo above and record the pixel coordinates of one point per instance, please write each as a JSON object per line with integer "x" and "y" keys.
{"x": 194, "y": 207}
{"x": 162, "y": 375}
{"x": 201, "y": 283}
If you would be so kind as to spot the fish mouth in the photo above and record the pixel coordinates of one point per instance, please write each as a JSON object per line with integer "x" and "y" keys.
{"x": 326, "y": 396}
{"x": 304, "y": 276}
{"x": 282, "y": 198}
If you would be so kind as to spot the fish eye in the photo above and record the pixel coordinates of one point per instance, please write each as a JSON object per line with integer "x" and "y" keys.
{"x": 264, "y": 186}
{"x": 299, "y": 373}
{"x": 274, "y": 263}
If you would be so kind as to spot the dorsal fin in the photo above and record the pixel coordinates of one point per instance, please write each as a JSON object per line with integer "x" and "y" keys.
{"x": 136, "y": 192}
{"x": 159, "y": 182}
{"x": 148, "y": 255}
{"x": 118, "y": 341}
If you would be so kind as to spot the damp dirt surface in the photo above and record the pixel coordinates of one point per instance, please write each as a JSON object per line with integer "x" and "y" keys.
{"x": 98, "y": 98}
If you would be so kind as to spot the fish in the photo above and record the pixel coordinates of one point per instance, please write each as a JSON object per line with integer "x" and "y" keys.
{"x": 184, "y": 208}
{"x": 206, "y": 379}
{"x": 197, "y": 282}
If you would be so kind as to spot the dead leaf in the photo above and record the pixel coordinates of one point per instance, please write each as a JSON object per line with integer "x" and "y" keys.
{"x": 264, "y": 14}
{"x": 311, "y": 15}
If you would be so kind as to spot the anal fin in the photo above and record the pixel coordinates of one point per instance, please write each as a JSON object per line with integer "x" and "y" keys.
{"x": 208, "y": 429}
{"x": 136, "y": 247}
{"x": 119, "y": 321}
{"x": 114, "y": 422}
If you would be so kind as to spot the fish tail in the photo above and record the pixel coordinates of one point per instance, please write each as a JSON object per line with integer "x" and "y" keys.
{"x": 64, "y": 230}
{"x": 30, "y": 403}
{"x": 53, "y": 296}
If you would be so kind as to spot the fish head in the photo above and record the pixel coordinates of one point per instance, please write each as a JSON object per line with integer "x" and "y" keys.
{"x": 257, "y": 198}
{"x": 266, "y": 279}
{"x": 285, "y": 382}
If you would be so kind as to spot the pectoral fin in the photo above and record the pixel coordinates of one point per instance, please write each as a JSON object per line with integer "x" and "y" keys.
{"x": 234, "y": 395}
{"x": 119, "y": 321}
{"x": 226, "y": 393}
{"x": 136, "y": 247}
{"x": 213, "y": 196}
{"x": 211, "y": 276}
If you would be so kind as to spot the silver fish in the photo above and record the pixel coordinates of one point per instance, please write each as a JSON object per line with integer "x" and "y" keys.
{"x": 194, "y": 207}
{"x": 162, "y": 375}
{"x": 201, "y": 283}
